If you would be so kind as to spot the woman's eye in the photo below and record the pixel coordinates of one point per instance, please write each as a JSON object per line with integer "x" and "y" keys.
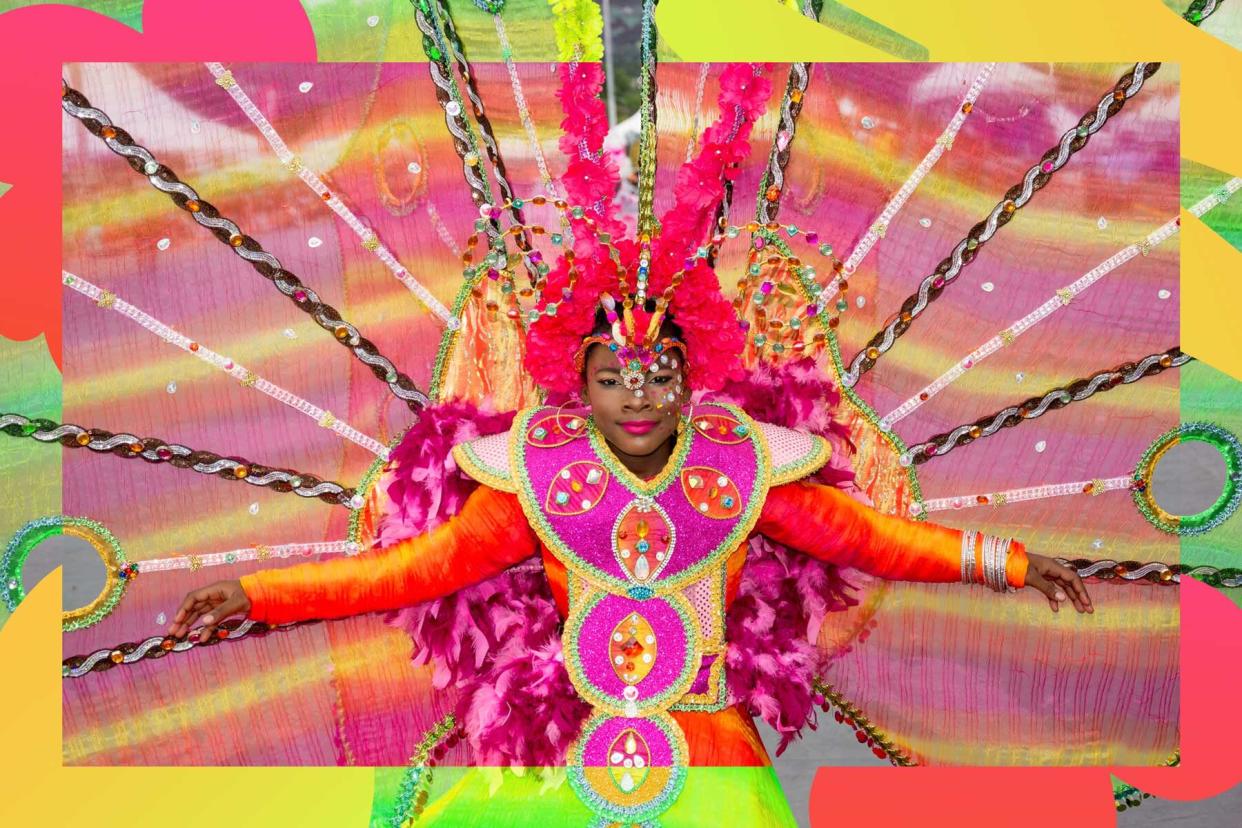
{"x": 662, "y": 380}
{"x": 607, "y": 383}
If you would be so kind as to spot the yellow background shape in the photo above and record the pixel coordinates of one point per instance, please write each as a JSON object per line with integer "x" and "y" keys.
{"x": 37, "y": 791}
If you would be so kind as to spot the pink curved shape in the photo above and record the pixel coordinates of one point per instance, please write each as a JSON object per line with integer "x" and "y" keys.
{"x": 34, "y": 42}
{"x": 1211, "y": 675}
{"x": 1211, "y": 672}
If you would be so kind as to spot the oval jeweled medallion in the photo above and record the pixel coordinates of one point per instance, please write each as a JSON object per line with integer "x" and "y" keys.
{"x": 555, "y": 429}
{"x": 577, "y": 488}
{"x": 628, "y": 769}
{"x": 629, "y": 760}
{"x": 633, "y": 648}
{"x": 721, "y": 428}
{"x": 613, "y": 674}
{"x": 643, "y": 540}
{"x": 711, "y": 493}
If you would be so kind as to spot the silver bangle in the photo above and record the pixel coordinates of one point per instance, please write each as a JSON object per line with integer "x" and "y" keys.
{"x": 1005, "y": 545}
{"x": 968, "y": 556}
{"x": 995, "y": 562}
{"x": 987, "y": 560}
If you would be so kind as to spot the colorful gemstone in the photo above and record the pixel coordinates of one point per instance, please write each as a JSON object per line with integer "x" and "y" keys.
{"x": 721, "y": 501}
{"x": 650, "y": 526}
{"x": 632, "y": 638}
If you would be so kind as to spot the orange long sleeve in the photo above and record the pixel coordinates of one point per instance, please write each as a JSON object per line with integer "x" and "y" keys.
{"x": 828, "y": 524}
{"x": 489, "y": 535}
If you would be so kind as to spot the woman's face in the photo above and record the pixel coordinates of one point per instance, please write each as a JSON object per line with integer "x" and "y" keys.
{"x": 635, "y": 426}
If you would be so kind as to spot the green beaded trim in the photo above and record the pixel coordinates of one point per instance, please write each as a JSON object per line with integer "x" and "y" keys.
{"x": 642, "y": 488}
{"x": 94, "y": 533}
{"x": 611, "y": 704}
{"x": 418, "y": 776}
{"x": 1219, "y": 438}
{"x": 363, "y": 489}
{"x": 630, "y": 813}
{"x": 715, "y": 679}
{"x": 470, "y": 463}
{"x": 815, "y": 459}
{"x": 448, "y": 340}
{"x": 531, "y": 502}
{"x": 810, "y": 292}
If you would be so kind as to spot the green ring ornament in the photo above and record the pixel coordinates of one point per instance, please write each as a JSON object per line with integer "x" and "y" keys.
{"x": 1219, "y": 438}
{"x": 119, "y": 572}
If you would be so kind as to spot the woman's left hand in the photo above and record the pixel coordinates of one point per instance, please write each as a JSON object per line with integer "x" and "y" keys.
{"x": 1058, "y": 582}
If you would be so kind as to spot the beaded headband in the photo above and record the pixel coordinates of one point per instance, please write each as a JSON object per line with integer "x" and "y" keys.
{"x": 638, "y": 361}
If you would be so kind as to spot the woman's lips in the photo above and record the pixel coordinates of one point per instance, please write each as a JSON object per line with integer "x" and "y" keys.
{"x": 638, "y": 426}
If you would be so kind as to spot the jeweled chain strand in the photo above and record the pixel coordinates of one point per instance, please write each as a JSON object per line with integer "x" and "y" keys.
{"x": 1059, "y": 300}
{"x": 519, "y": 97}
{"x": 1015, "y": 199}
{"x": 699, "y": 88}
{"x": 942, "y": 145}
{"x": 647, "y": 137}
{"x": 1000, "y": 498}
{"x": 370, "y": 241}
{"x": 257, "y": 552}
{"x": 160, "y": 646}
{"x": 444, "y": 17}
{"x": 157, "y": 450}
{"x": 772, "y": 183}
{"x": 109, "y": 300}
{"x": 1201, "y": 10}
{"x": 460, "y": 130}
{"x": 1076, "y": 391}
{"x": 268, "y": 266}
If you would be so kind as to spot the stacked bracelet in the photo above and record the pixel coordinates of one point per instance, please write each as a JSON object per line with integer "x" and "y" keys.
{"x": 995, "y": 562}
{"x": 990, "y": 565}
{"x": 968, "y": 556}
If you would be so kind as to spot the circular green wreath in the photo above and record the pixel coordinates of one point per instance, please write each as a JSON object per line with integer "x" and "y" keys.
{"x": 1223, "y": 441}
{"x": 119, "y": 572}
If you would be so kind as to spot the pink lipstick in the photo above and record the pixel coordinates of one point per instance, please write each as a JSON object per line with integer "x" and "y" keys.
{"x": 638, "y": 427}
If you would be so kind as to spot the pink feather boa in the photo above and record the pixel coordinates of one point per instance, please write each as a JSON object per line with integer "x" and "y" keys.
{"x": 497, "y": 644}
{"x": 773, "y": 624}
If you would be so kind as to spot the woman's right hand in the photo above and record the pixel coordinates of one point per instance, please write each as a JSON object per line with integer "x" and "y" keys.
{"x": 212, "y": 604}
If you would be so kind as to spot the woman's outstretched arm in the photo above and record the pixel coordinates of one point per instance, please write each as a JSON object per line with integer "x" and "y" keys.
{"x": 828, "y": 524}
{"x": 489, "y": 535}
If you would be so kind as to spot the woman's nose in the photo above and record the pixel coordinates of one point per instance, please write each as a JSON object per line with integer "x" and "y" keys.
{"x": 636, "y": 403}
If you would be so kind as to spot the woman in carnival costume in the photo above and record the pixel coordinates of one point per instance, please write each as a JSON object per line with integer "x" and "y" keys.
{"x": 662, "y": 456}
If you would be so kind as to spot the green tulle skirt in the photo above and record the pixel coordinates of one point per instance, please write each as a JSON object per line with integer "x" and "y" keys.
{"x": 544, "y": 799}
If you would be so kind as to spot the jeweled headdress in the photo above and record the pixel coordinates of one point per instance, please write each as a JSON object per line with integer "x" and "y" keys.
{"x": 664, "y": 269}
